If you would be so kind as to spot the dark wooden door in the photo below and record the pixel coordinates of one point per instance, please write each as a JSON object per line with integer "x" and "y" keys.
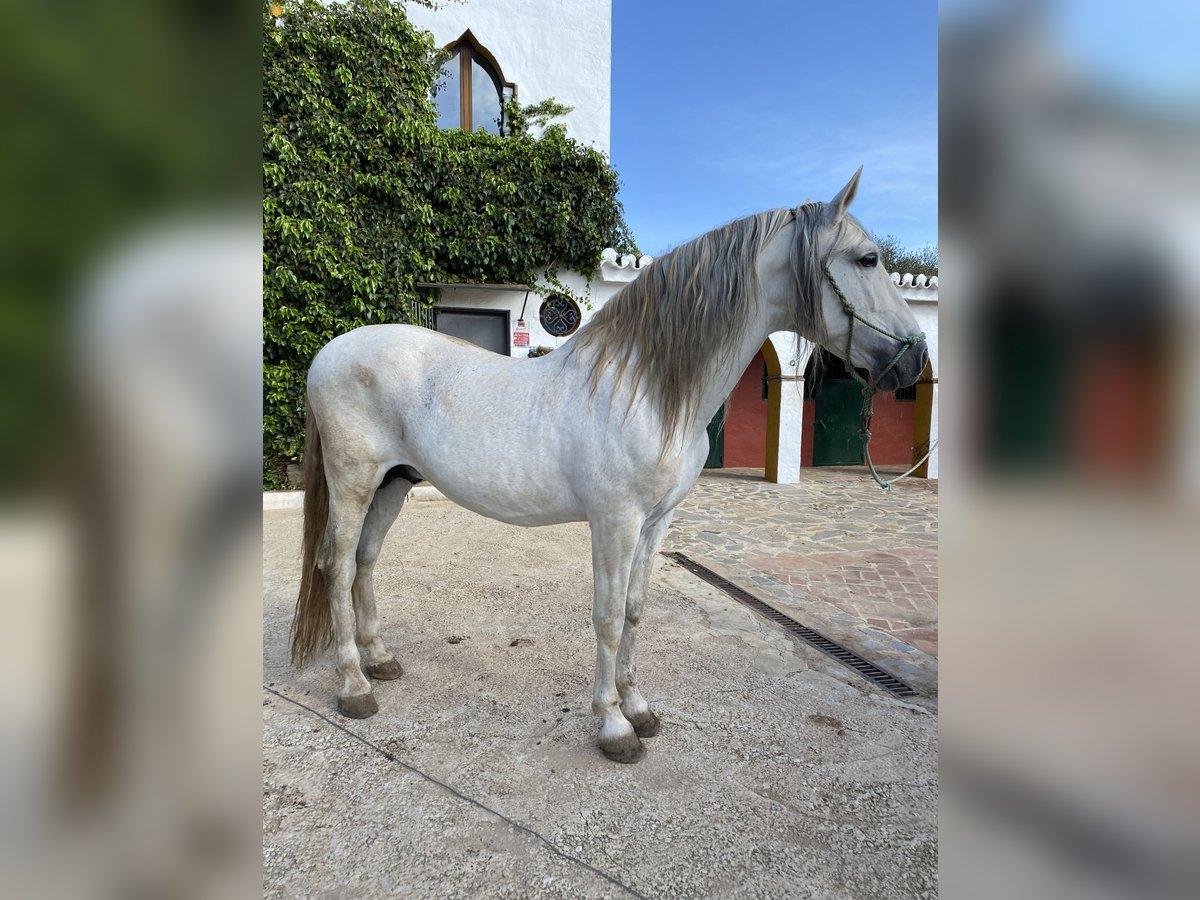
{"x": 837, "y": 420}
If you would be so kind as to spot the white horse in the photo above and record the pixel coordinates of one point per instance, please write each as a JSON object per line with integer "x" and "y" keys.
{"x": 615, "y": 437}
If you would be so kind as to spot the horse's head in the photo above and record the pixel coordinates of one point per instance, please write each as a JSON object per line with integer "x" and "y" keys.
{"x": 859, "y": 315}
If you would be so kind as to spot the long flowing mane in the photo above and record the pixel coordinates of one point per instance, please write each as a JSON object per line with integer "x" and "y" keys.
{"x": 689, "y": 310}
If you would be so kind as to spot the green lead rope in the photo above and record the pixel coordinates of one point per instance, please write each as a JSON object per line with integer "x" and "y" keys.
{"x": 868, "y": 391}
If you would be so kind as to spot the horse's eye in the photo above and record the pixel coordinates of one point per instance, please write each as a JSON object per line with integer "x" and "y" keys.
{"x": 869, "y": 261}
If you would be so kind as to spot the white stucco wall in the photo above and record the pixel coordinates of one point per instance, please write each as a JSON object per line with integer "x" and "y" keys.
{"x": 610, "y": 276}
{"x": 924, "y": 305}
{"x": 548, "y": 48}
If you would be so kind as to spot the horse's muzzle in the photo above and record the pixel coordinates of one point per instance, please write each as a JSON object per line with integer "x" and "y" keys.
{"x": 905, "y": 370}
{"x": 922, "y": 350}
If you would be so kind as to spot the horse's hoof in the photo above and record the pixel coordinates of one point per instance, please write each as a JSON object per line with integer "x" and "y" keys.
{"x": 385, "y": 671}
{"x": 645, "y": 724}
{"x": 627, "y": 749}
{"x": 360, "y": 706}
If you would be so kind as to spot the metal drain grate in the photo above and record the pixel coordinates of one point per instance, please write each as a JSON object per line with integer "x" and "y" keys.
{"x": 846, "y": 657}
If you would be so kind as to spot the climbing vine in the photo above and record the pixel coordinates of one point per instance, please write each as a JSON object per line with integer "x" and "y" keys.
{"x": 364, "y": 196}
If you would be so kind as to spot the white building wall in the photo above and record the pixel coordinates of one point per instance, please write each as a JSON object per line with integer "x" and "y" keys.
{"x": 610, "y": 276}
{"x": 548, "y": 48}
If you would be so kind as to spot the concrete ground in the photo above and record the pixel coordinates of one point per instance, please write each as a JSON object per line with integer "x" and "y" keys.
{"x": 778, "y": 772}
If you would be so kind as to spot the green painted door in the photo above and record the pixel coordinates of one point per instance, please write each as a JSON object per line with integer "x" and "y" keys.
{"x": 836, "y": 421}
{"x": 716, "y": 441}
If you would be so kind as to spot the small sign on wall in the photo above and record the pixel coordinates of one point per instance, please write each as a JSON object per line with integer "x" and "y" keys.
{"x": 521, "y": 334}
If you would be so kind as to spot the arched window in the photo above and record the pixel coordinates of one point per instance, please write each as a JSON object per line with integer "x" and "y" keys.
{"x": 471, "y": 88}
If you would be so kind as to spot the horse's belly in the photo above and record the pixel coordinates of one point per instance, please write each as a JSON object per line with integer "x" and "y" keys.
{"x": 488, "y": 461}
{"x": 512, "y": 506}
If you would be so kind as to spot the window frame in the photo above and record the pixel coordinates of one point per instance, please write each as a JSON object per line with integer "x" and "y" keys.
{"x": 578, "y": 312}
{"x": 470, "y": 50}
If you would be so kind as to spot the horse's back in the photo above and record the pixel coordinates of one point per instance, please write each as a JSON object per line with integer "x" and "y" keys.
{"x": 404, "y": 347}
{"x": 381, "y": 361}
{"x": 364, "y": 384}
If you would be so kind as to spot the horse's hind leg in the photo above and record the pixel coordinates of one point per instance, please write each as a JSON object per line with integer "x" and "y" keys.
{"x": 350, "y": 496}
{"x": 633, "y": 704}
{"x": 385, "y": 506}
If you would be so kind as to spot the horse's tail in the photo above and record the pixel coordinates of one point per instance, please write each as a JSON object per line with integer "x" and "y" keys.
{"x": 312, "y": 627}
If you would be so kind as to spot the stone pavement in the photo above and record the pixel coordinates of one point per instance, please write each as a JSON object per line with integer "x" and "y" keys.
{"x": 778, "y": 772}
{"x": 835, "y": 552}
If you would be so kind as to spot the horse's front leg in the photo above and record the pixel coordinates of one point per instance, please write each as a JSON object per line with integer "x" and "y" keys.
{"x": 633, "y": 704}
{"x": 614, "y": 540}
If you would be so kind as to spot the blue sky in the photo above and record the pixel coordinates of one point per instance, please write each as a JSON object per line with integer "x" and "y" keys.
{"x": 724, "y": 109}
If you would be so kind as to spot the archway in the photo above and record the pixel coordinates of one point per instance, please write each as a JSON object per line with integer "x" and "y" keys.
{"x": 764, "y": 414}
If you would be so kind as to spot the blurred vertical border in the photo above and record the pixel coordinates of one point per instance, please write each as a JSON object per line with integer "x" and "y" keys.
{"x": 130, "y": 413}
{"x": 1070, "y": 410}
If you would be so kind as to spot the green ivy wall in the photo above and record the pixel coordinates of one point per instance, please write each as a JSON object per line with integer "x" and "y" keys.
{"x": 363, "y": 196}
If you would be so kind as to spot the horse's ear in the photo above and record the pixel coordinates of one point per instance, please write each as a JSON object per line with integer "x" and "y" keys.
{"x": 839, "y": 204}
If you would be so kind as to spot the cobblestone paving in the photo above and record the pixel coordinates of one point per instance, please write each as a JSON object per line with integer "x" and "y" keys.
{"x": 834, "y": 551}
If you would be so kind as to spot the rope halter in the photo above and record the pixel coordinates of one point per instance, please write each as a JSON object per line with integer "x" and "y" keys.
{"x": 868, "y": 389}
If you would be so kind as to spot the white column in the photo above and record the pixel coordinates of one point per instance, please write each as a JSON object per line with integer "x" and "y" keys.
{"x": 791, "y": 430}
{"x": 792, "y": 361}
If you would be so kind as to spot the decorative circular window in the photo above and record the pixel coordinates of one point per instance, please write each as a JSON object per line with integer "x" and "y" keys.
{"x": 560, "y": 316}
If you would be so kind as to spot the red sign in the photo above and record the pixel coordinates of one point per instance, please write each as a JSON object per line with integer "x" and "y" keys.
{"x": 520, "y": 338}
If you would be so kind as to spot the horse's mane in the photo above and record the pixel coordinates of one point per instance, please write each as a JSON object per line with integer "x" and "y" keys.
{"x": 689, "y": 311}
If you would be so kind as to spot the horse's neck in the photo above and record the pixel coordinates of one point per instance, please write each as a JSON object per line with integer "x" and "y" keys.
{"x": 724, "y": 376}
{"x": 770, "y": 314}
